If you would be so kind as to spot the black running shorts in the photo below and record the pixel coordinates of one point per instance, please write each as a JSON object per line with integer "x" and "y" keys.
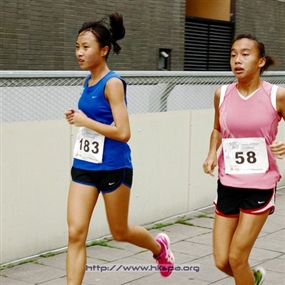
{"x": 104, "y": 180}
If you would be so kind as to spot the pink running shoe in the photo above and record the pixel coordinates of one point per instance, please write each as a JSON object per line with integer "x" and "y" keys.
{"x": 165, "y": 261}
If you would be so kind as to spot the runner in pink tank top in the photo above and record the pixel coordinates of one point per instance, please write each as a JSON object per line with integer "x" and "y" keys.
{"x": 247, "y": 114}
{"x": 256, "y": 118}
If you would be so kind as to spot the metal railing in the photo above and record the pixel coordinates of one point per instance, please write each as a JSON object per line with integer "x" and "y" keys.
{"x": 45, "y": 95}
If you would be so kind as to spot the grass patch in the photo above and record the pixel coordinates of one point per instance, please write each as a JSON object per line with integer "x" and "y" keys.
{"x": 49, "y": 254}
{"x": 158, "y": 226}
{"x": 204, "y": 216}
{"x": 28, "y": 261}
{"x": 2, "y": 267}
{"x": 11, "y": 265}
{"x": 185, "y": 222}
{"x": 101, "y": 242}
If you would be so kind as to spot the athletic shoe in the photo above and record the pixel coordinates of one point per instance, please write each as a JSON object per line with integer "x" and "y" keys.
{"x": 259, "y": 275}
{"x": 165, "y": 260}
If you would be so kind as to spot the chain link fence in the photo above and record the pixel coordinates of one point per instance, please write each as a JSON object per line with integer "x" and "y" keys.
{"x": 45, "y": 95}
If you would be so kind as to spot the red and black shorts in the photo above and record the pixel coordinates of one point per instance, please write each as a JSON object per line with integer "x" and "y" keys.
{"x": 230, "y": 201}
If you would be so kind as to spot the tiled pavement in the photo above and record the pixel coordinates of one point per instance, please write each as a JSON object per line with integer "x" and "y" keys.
{"x": 191, "y": 244}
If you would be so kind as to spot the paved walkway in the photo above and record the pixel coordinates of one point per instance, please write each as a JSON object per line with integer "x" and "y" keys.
{"x": 191, "y": 239}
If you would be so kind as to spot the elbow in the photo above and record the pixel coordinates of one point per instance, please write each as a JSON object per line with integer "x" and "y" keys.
{"x": 125, "y": 137}
{"x": 217, "y": 128}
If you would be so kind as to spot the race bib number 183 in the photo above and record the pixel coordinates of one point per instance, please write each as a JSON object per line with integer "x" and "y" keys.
{"x": 89, "y": 146}
{"x": 245, "y": 155}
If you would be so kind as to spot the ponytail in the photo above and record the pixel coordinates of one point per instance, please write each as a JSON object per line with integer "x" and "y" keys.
{"x": 107, "y": 31}
{"x": 117, "y": 30}
{"x": 269, "y": 61}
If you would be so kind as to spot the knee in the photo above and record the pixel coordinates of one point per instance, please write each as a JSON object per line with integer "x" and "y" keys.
{"x": 120, "y": 234}
{"x": 76, "y": 235}
{"x": 235, "y": 260}
{"x": 222, "y": 264}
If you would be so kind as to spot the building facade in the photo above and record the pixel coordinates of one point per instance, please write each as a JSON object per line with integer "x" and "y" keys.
{"x": 41, "y": 35}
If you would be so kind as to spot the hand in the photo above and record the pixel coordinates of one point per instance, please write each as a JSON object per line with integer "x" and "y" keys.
{"x": 278, "y": 149}
{"x": 79, "y": 118}
{"x": 209, "y": 165}
{"x": 69, "y": 114}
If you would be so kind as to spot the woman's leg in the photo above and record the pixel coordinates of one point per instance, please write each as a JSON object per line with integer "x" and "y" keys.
{"x": 245, "y": 235}
{"x": 224, "y": 229}
{"x": 117, "y": 208}
{"x": 81, "y": 202}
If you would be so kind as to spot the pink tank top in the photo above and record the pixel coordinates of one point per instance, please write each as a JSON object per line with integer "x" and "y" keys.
{"x": 252, "y": 116}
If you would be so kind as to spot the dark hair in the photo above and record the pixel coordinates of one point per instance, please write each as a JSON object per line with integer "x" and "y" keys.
{"x": 269, "y": 60}
{"x": 107, "y": 32}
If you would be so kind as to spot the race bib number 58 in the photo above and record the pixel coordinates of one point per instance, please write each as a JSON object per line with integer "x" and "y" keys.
{"x": 245, "y": 155}
{"x": 89, "y": 146}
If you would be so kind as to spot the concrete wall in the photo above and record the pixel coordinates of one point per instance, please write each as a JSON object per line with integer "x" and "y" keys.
{"x": 168, "y": 150}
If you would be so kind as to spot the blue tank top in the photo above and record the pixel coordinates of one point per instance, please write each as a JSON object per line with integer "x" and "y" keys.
{"x": 94, "y": 104}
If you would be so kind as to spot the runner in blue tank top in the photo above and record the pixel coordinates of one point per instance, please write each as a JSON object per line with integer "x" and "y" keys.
{"x": 93, "y": 104}
{"x": 102, "y": 157}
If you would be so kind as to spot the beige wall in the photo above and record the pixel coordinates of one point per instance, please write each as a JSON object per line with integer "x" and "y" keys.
{"x": 168, "y": 150}
{"x": 210, "y": 9}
